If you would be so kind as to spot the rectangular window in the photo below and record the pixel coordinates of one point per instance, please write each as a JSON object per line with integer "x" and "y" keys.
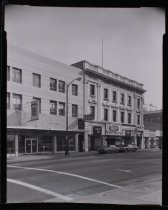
{"x": 92, "y": 90}
{"x": 36, "y": 80}
{"x": 39, "y": 103}
{"x": 129, "y": 118}
{"x": 138, "y": 119}
{"x": 61, "y": 86}
{"x": 129, "y": 100}
{"x": 17, "y": 75}
{"x": 106, "y": 114}
{"x": 10, "y": 144}
{"x": 158, "y": 121}
{"x": 17, "y": 102}
{"x": 74, "y": 110}
{"x": 8, "y": 73}
{"x": 122, "y": 117}
{"x": 114, "y": 96}
{"x": 92, "y": 110}
{"x": 114, "y": 116}
{"x": 53, "y": 107}
{"x": 122, "y": 98}
{"x": 61, "y": 108}
{"x": 74, "y": 90}
{"x": 53, "y": 84}
{"x": 8, "y": 100}
{"x": 138, "y": 103}
{"x": 105, "y": 94}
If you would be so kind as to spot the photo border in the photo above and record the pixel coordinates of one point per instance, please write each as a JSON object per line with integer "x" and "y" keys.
{"x": 3, "y": 87}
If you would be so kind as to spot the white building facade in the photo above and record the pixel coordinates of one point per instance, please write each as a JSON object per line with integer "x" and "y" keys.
{"x": 30, "y": 78}
{"x": 116, "y": 103}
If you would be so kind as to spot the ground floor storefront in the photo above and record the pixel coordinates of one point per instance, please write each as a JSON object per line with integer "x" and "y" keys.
{"x": 35, "y": 142}
{"x": 152, "y": 139}
{"x": 99, "y": 134}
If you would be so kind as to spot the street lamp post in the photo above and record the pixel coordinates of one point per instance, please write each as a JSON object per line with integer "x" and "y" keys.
{"x": 67, "y": 142}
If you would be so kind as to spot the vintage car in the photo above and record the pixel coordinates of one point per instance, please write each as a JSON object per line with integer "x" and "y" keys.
{"x": 108, "y": 149}
{"x": 127, "y": 148}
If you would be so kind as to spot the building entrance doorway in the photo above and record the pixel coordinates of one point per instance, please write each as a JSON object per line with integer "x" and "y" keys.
{"x": 30, "y": 145}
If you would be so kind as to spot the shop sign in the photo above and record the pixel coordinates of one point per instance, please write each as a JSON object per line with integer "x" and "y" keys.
{"x": 146, "y": 133}
{"x": 34, "y": 110}
{"x": 92, "y": 99}
{"x": 127, "y": 133}
{"x": 97, "y": 130}
{"x": 88, "y": 117}
{"x": 113, "y": 129}
{"x": 158, "y": 133}
{"x": 139, "y": 133}
{"x": 152, "y": 134}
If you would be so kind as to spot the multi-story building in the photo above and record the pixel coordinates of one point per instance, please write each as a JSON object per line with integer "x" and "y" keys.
{"x": 153, "y": 128}
{"x": 116, "y": 103}
{"x": 36, "y": 104}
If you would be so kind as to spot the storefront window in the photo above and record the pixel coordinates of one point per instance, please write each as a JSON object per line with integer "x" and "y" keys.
{"x": 45, "y": 144}
{"x": 10, "y": 144}
{"x": 21, "y": 144}
{"x": 61, "y": 143}
{"x": 72, "y": 144}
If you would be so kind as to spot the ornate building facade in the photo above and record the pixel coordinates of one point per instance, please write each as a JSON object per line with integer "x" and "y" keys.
{"x": 116, "y": 104}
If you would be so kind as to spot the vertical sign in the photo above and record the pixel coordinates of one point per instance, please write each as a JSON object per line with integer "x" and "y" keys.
{"x": 34, "y": 110}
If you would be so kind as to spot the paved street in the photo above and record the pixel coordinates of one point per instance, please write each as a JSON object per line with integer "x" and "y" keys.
{"x": 129, "y": 178}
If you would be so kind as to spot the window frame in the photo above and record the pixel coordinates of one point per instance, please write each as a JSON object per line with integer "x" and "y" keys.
{"x": 74, "y": 87}
{"x": 91, "y": 85}
{"x": 129, "y": 117}
{"x": 74, "y": 114}
{"x": 8, "y": 100}
{"x": 8, "y": 73}
{"x": 51, "y": 87}
{"x": 17, "y": 104}
{"x": 138, "y": 103}
{"x": 138, "y": 119}
{"x": 53, "y": 112}
{"x": 122, "y": 98}
{"x": 16, "y": 71}
{"x": 39, "y": 103}
{"x": 34, "y": 80}
{"x": 129, "y": 101}
{"x": 115, "y": 111}
{"x": 114, "y": 98}
{"x": 61, "y": 103}
{"x": 122, "y": 114}
{"x": 106, "y": 93}
{"x": 92, "y": 110}
{"x": 105, "y": 114}
{"x": 60, "y": 87}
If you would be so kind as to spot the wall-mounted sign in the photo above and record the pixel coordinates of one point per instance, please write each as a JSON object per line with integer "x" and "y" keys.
{"x": 92, "y": 99}
{"x": 97, "y": 130}
{"x": 113, "y": 129}
{"x": 146, "y": 133}
{"x": 139, "y": 133}
{"x": 152, "y": 134}
{"x": 34, "y": 110}
{"x": 127, "y": 133}
{"x": 88, "y": 116}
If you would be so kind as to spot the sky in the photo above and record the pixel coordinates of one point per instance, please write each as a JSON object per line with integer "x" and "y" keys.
{"x": 132, "y": 39}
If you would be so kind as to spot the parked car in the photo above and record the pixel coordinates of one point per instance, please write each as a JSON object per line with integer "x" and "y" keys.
{"x": 108, "y": 149}
{"x": 127, "y": 148}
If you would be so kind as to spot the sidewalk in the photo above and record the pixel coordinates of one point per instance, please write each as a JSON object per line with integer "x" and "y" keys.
{"x": 27, "y": 157}
{"x": 32, "y": 157}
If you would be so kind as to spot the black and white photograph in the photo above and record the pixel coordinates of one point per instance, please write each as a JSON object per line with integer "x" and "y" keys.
{"x": 84, "y": 104}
